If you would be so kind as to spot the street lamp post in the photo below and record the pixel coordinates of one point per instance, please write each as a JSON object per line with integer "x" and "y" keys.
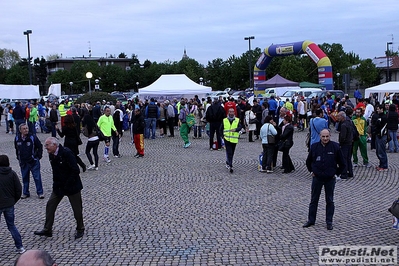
{"x": 250, "y": 59}
{"x": 201, "y": 79}
{"x": 97, "y": 86}
{"x": 338, "y": 74}
{"x": 29, "y": 65}
{"x": 388, "y": 77}
{"x": 89, "y": 75}
{"x": 137, "y": 85}
{"x": 70, "y": 84}
{"x": 114, "y": 86}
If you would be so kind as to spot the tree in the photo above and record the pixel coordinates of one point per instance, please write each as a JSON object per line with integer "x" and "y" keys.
{"x": 368, "y": 73}
{"x": 291, "y": 68}
{"x": 52, "y": 57}
{"x": 17, "y": 75}
{"x": 111, "y": 75}
{"x": 8, "y": 58}
{"x": 122, "y": 55}
{"x": 63, "y": 77}
{"x": 40, "y": 72}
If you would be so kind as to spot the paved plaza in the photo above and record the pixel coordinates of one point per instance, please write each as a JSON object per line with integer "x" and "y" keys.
{"x": 181, "y": 206}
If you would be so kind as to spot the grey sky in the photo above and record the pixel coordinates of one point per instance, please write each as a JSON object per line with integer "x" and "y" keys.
{"x": 159, "y": 30}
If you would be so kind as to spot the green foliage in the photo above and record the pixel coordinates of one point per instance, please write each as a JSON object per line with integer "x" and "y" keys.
{"x": 17, "y": 75}
{"x": 8, "y": 58}
{"x": 291, "y": 68}
{"x": 367, "y": 73}
{"x": 95, "y": 96}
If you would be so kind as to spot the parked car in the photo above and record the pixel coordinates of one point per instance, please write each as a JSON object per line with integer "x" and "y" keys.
{"x": 239, "y": 94}
{"x": 294, "y": 94}
{"x": 217, "y": 94}
{"x": 321, "y": 94}
{"x": 120, "y": 97}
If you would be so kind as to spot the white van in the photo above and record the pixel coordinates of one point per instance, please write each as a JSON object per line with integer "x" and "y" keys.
{"x": 294, "y": 94}
{"x": 279, "y": 91}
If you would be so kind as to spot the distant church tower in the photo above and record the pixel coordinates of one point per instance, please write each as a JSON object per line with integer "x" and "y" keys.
{"x": 185, "y": 56}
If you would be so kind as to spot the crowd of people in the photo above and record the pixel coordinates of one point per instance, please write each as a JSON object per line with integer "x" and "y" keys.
{"x": 270, "y": 120}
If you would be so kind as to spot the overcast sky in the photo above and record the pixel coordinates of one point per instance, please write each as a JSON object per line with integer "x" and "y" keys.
{"x": 159, "y": 30}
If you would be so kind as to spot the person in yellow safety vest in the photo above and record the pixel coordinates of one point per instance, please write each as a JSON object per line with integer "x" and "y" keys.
{"x": 231, "y": 128}
{"x": 62, "y": 111}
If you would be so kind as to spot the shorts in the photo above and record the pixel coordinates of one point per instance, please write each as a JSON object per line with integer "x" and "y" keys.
{"x": 301, "y": 116}
{"x": 107, "y": 139}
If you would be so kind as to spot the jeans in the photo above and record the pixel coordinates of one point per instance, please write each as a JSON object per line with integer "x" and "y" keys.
{"x": 393, "y": 144}
{"x": 115, "y": 145}
{"x": 33, "y": 167}
{"x": 215, "y": 127}
{"x": 267, "y": 159}
{"x": 32, "y": 127}
{"x": 230, "y": 149}
{"x": 380, "y": 144}
{"x": 9, "y": 217}
{"x": 198, "y": 131}
{"x": 317, "y": 185}
{"x": 53, "y": 130}
{"x": 7, "y": 125}
{"x": 347, "y": 169}
{"x": 150, "y": 123}
{"x": 92, "y": 145}
{"x": 17, "y": 123}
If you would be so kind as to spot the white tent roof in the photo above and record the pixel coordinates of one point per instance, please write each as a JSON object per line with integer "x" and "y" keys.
{"x": 383, "y": 89}
{"x": 19, "y": 92}
{"x": 173, "y": 86}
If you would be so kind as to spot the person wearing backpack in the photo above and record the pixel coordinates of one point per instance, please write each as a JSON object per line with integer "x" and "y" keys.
{"x": 29, "y": 151}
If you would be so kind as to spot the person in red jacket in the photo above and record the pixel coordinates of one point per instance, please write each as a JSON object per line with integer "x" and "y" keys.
{"x": 230, "y": 104}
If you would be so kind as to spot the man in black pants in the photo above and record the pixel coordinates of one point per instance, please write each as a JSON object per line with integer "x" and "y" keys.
{"x": 66, "y": 182}
{"x": 215, "y": 115}
{"x": 170, "y": 117}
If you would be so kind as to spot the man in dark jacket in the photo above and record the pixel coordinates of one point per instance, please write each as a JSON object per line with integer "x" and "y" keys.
{"x": 96, "y": 112}
{"x": 19, "y": 115}
{"x": 29, "y": 151}
{"x": 215, "y": 115}
{"x": 152, "y": 114}
{"x": 345, "y": 139}
{"x": 54, "y": 119}
{"x": 324, "y": 161}
{"x": 66, "y": 182}
{"x": 138, "y": 132}
{"x": 10, "y": 191}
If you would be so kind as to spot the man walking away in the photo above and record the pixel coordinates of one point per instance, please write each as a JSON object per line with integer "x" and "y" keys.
{"x": 10, "y": 191}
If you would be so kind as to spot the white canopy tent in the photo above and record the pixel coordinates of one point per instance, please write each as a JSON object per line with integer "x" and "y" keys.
{"x": 55, "y": 89}
{"x": 167, "y": 87}
{"x": 383, "y": 90}
{"x": 19, "y": 92}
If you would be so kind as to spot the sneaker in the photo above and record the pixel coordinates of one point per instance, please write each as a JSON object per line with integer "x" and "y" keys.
{"x": 211, "y": 149}
{"x": 141, "y": 156}
{"x": 96, "y": 168}
{"x": 231, "y": 169}
{"x": 228, "y": 166}
{"x": 188, "y": 144}
{"x": 368, "y": 165}
{"x": 91, "y": 167}
{"x": 107, "y": 160}
{"x": 137, "y": 155}
{"x": 41, "y": 196}
{"x": 355, "y": 165}
{"x": 380, "y": 169}
{"x": 20, "y": 250}
{"x": 24, "y": 196}
{"x": 263, "y": 170}
{"x": 118, "y": 156}
{"x": 269, "y": 171}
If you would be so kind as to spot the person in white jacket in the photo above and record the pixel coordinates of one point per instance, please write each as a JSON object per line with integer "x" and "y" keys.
{"x": 266, "y": 131}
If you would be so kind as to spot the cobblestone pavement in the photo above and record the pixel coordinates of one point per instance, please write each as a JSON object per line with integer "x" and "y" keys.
{"x": 180, "y": 206}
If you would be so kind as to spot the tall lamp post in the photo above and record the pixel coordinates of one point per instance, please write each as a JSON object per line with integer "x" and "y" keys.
{"x": 388, "y": 77}
{"x": 29, "y": 66}
{"x": 114, "y": 86}
{"x": 338, "y": 74}
{"x": 201, "y": 79}
{"x": 137, "y": 85}
{"x": 70, "y": 84}
{"x": 250, "y": 59}
{"x": 89, "y": 75}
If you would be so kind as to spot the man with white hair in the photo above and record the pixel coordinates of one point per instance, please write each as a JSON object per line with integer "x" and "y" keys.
{"x": 170, "y": 117}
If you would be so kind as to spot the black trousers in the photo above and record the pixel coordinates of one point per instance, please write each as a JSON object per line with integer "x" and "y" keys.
{"x": 215, "y": 127}
{"x": 230, "y": 149}
{"x": 92, "y": 145}
{"x": 76, "y": 203}
{"x": 171, "y": 125}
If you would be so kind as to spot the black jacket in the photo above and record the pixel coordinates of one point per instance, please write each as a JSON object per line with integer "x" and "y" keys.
{"x": 345, "y": 132}
{"x": 66, "y": 179}
{"x": 325, "y": 161}
{"x": 10, "y": 187}
{"x": 287, "y": 135}
{"x": 138, "y": 124}
{"x": 96, "y": 112}
{"x": 215, "y": 113}
{"x": 392, "y": 121}
{"x": 29, "y": 149}
{"x": 71, "y": 138}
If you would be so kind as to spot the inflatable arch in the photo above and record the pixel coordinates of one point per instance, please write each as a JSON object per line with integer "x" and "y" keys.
{"x": 296, "y": 48}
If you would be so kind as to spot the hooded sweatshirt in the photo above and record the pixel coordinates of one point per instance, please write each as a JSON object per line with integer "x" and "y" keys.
{"x": 10, "y": 187}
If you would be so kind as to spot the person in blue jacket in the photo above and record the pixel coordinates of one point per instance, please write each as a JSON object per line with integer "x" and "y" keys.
{"x": 324, "y": 161}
